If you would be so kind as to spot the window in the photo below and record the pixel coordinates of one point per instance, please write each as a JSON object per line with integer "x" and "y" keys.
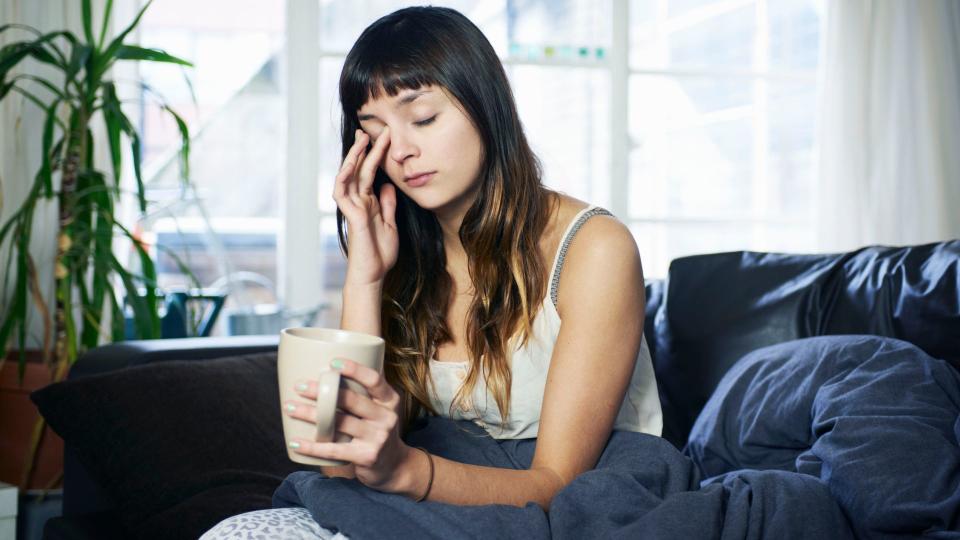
{"x": 722, "y": 101}
{"x": 691, "y": 120}
{"x": 228, "y": 224}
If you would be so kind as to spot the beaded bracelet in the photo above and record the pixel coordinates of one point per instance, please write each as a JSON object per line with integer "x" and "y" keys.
{"x": 429, "y": 482}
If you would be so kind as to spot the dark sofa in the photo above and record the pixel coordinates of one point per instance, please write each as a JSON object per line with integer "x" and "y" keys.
{"x": 710, "y": 311}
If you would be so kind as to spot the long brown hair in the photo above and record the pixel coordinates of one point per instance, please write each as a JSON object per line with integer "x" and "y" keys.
{"x": 500, "y": 233}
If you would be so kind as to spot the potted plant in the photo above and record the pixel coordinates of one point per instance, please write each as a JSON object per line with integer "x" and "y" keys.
{"x": 88, "y": 195}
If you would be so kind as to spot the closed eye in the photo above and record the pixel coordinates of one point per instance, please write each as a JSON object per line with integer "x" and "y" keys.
{"x": 426, "y": 122}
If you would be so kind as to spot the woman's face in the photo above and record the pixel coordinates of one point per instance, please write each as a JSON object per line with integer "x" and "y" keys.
{"x": 434, "y": 152}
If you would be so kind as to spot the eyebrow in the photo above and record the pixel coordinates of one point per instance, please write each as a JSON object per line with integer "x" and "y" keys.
{"x": 405, "y": 100}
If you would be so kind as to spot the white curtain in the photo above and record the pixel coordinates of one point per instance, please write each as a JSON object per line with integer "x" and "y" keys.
{"x": 889, "y": 123}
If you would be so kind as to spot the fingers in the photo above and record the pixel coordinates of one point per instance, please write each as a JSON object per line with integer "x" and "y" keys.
{"x": 388, "y": 203}
{"x": 372, "y": 380}
{"x": 353, "y": 187}
{"x": 349, "y": 166}
{"x": 365, "y": 408}
{"x": 344, "y": 422}
{"x": 379, "y": 412}
{"x": 328, "y": 450}
{"x": 358, "y": 406}
{"x": 368, "y": 167}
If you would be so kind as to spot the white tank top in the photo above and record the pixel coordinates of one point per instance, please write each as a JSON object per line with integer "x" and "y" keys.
{"x": 640, "y": 410}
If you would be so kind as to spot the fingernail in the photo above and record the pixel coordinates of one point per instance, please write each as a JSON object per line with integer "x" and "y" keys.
{"x": 294, "y": 445}
{"x": 302, "y": 387}
{"x": 336, "y": 363}
{"x": 290, "y": 407}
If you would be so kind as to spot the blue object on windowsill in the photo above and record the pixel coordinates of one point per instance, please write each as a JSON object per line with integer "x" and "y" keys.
{"x": 174, "y": 315}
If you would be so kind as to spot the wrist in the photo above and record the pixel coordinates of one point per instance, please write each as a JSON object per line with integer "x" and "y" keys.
{"x": 362, "y": 285}
{"x": 413, "y": 473}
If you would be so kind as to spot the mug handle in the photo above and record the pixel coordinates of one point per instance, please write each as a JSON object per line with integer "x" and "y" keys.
{"x": 328, "y": 388}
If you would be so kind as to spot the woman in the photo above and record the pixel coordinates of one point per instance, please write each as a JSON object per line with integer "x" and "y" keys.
{"x": 500, "y": 301}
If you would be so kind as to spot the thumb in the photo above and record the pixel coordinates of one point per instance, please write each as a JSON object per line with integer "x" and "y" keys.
{"x": 388, "y": 203}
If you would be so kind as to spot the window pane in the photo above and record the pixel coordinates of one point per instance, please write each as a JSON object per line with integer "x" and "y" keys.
{"x": 712, "y": 34}
{"x": 567, "y": 126}
{"x": 238, "y": 146}
{"x": 790, "y": 162}
{"x": 794, "y": 33}
{"x": 693, "y": 153}
{"x": 342, "y": 22}
{"x": 227, "y": 53}
{"x": 660, "y": 243}
{"x": 715, "y": 35}
{"x": 699, "y": 154}
{"x": 562, "y": 25}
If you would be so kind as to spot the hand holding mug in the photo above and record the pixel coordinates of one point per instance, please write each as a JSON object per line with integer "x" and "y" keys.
{"x": 304, "y": 369}
{"x": 369, "y": 422}
{"x": 368, "y": 428}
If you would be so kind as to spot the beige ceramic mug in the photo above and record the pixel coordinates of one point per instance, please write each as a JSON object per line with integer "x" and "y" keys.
{"x": 305, "y": 354}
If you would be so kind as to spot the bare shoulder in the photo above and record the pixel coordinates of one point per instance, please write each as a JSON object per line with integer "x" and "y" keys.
{"x": 602, "y": 258}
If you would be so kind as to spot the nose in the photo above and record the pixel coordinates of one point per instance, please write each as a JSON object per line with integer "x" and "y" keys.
{"x": 401, "y": 145}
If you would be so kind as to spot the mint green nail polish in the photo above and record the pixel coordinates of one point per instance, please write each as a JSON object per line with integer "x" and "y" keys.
{"x": 290, "y": 407}
{"x": 301, "y": 387}
{"x": 336, "y": 363}
{"x": 294, "y": 445}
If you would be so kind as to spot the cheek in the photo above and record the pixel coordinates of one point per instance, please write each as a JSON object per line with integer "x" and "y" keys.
{"x": 464, "y": 146}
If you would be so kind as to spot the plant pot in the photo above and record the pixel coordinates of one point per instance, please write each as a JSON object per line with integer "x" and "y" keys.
{"x": 18, "y": 418}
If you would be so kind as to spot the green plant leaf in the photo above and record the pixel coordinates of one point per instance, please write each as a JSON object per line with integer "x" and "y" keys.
{"x": 13, "y": 53}
{"x": 118, "y": 323}
{"x": 182, "y": 266}
{"x": 184, "y": 144}
{"x": 5, "y": 88}
{"x": 87, "y": 22}
{"x": 109, "y": 54}
{"x": 78, "y": 59}
{"x": 42, "y": 82}
{"x": 149, "y": 277}
{"x": 45, "y": 174}
{"x": 20, "y": 291}
{"x": 143, "y": 315}
{"x": 33, "y": 99}
{"x": 16, "y": 313}
{"x": 127, "y": 127}
{"x": 105, "y": 24}
{"x": 111, "y": 119}
{"x": 103, "y": 238}
{"x": 131, "y": 52}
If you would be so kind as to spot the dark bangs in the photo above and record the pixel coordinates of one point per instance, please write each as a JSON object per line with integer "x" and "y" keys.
{"x": 390, "y": 56}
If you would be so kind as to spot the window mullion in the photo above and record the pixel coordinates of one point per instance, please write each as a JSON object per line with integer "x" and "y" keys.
{"x": 298, "y": 257}
{"x": 619, "y": 119}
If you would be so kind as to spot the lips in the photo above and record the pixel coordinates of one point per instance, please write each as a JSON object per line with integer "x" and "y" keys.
{"x": 418, "y": 179}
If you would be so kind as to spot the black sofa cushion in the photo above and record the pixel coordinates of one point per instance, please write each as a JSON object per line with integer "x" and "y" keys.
{"x": 719, "y": 307}
{"x": 178, "y": 445}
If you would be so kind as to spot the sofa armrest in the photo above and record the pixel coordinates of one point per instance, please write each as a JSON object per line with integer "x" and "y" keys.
{"x": 125, "y": 354}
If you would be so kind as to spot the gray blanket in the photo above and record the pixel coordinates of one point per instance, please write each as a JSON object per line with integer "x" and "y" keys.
{"x": 801, "y": 440}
